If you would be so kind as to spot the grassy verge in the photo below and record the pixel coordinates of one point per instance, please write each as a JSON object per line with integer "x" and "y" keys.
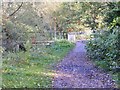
{"x": 32, "y": 69}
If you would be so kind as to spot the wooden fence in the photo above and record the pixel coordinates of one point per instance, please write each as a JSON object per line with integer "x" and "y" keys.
{"x": 38, "y": 37}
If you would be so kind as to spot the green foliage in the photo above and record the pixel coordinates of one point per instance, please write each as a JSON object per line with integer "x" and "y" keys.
{"x": 63, "y": 43}
{"x": 104, "y": 49}
{"x": 112, "y": 12}
{"x": 33, "y": 69}
{"x": 75, "y": 14}
{"x": 24, "y": 23}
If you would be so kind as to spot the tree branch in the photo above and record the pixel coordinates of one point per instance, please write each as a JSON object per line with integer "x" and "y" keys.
{"x": 16, "y": 10}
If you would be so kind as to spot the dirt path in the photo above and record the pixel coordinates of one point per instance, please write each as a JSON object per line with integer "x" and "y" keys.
{"x": 76, "y": 71}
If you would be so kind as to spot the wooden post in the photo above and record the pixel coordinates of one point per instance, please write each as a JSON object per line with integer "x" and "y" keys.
{"x": 33, "y": 40}
{"x": 55, "y": 28}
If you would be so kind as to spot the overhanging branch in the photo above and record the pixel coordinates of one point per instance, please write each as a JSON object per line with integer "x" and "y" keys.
{"x": 16, "y": 10}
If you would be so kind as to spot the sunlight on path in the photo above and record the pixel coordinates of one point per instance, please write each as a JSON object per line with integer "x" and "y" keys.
{"x": 77, "y": 71}
{"x": 58, "y": 74}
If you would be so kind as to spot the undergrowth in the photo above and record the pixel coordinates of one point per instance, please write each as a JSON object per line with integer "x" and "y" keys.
{"x": 33, "y": 69}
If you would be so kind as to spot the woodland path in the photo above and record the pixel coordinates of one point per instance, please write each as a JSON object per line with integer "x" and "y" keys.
{"x": 77, "y": 71}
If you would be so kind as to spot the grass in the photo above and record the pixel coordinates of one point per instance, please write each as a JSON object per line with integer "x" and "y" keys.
{"x": 33, "y": 69}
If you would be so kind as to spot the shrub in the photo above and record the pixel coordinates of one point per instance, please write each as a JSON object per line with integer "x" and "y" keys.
{"x": 104, "y": 49}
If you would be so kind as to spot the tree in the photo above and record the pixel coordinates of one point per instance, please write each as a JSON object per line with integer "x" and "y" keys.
{"x": 76, "y": 16}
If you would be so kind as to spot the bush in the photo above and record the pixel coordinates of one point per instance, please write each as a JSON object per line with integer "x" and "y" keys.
{"x": 104, "y": 49}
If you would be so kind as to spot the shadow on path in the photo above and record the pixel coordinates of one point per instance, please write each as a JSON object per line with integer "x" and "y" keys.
{"x": 77, "y": 71}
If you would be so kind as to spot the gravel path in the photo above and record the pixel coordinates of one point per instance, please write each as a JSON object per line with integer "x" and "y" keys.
{"x": 77, "y": 71}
